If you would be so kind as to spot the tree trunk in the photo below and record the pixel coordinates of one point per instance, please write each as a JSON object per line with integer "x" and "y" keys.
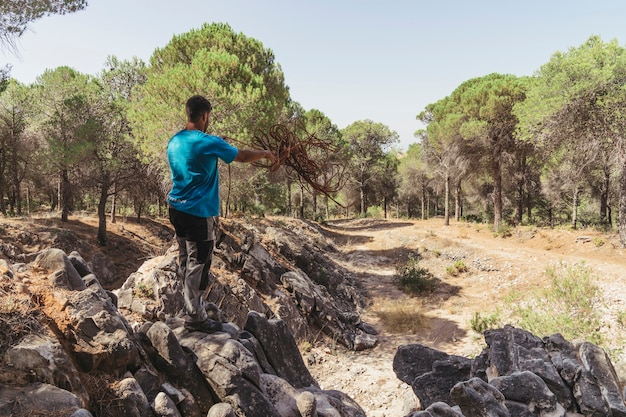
{"x": 113, "y": 207}
{"x": 301, "y": 201}
{"x": 28, "y": 201}
{"x": 575, "y": 207}
{"x": 622, "y": 205}
{"x": 385, "y": 207}
{"x": 362, "y": 191}
{"x": 604, "y": 199}
{"x": 289, "y": 205}
{"x": 446, "y": 209}
{"x": 457, "y": 201}
{"x": 102, "y": 216}
{"x": 496, "y": 171}
{"x": 65, "y": 195}
{"x": 519, "y": 210}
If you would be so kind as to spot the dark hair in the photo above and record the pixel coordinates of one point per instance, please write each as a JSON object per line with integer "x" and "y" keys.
{"x": 196, "y": 106}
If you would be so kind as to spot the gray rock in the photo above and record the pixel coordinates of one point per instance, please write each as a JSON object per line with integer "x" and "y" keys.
{"x": 438, "y": 409}
{"x": 597, "y": 362}
{"x": 163, "y": 406}
{"x": 527, "y": 388}
{"x": 221, "y": 410}
{"x": 476, "y": 398}
{"x": 280, "y": 349}
{"x": 132, "y": 400}
{"x": 38, "y": 396}
{"x": 411, "y": 361}
{"x": 63, "y": 274}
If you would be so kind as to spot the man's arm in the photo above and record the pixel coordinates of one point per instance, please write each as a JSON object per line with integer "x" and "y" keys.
{"x": 250, "y": 155}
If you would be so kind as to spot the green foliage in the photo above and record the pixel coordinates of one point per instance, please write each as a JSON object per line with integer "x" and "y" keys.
{"x": 503, "y": 230}
{"x": 413, "y": 279}
{"x": 457, "y": 268}
{"x": 17, "y": 14}
{"x": 366, "y": 143}
{"x": 144, "y": 290}
{"x": 236, "y": 73}
{"x": 480, "y": 323}
{"x": 569, "y": 305}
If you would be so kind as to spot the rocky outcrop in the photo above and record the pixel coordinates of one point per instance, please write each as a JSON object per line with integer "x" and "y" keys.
{"x": 517, "y": 374}
{"x": 126, "y": 352}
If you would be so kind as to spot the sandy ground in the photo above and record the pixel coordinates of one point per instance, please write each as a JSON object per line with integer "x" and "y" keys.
{"x": 496, "y": 266}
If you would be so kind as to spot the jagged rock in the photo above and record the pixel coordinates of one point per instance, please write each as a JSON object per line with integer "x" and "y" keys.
{"x": 476, "y": 398}
{"x": 252, "y": 344}
{"x": 149, "y": 381}
{"x": 596, "y": 361}
{"x": 62, "y": 272}
{"x": 430, "y": 373}
{"x": 435, "y": 386}
{"x": 80, "y": 264}
{"x": 519, "y": 374}
{"x": 527, "y": 388}
{"x": 307, "y": 405}
{"x": 81, "y": 412}
{"x": 132, "y": 400}
{"x": 333, "y": 403}
{"x": 167, "y": 355}
{"x": 45, "y": 361}
{"x": 282, "y": 395}
{"x": 514, "y": 350}
{"x": 438, "y": 409}
{"x": 364, "y": 341}
{"x": 154, "y": 290}
{"x": 99, "y": 334}
{"x": 411, "y": 361}
{"x": 36, "y": 397}
{"x": 280, "y": 349}
{"x": 221, "y": 410}
{"x": 163, "y": 406}
{"x": 231, "y": 371}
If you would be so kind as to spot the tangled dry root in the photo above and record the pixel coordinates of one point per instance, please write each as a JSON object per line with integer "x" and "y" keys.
{"x": 317, "y": 162}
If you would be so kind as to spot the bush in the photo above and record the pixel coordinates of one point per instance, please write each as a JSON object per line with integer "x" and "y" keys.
{"x": 569, "y": 305}
{"x": 413, "y": 279}
{"x": 457, "y": 268}
{"x": 480, "y": 324}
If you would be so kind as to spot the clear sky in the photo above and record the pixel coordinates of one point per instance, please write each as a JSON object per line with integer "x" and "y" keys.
{"x": 351, "y": 59}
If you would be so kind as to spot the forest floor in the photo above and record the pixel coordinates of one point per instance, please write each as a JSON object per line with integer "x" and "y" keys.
{"x": 372, "y": 249}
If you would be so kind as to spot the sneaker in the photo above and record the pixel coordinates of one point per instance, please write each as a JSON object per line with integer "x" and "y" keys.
{"x": 205, "y": 326}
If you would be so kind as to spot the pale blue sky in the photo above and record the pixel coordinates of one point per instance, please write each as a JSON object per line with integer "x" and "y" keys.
{"x": 353, "y": 60}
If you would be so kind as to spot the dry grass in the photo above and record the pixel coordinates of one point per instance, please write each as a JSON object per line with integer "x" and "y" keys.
{"x": 19, "y": 316}
{"x": 66, "y": 412}
{"x": 400, "y": 317}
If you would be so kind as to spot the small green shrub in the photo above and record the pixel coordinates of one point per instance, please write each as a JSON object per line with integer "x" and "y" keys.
{"x": 503, "y": 230}
{"x": 480, "y": 324}
{"x": 143, "y": 290}
{"x": 413, "y": 279}
{"x": 598, "y": 242}
{"x": 457, "y": 268}
{"x": 569, "y": 305}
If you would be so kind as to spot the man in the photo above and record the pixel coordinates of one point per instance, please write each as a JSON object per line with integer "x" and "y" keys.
{"x": 194, "y": 203}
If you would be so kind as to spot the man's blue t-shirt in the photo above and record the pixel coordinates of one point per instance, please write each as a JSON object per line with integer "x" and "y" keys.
{"x": 192, "y": 156}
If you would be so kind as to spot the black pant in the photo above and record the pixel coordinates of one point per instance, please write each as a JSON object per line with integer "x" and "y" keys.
{"x": 195, "y": 238}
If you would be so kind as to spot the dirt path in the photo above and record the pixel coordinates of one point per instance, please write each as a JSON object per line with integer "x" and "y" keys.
{"x": 496, "y": 265}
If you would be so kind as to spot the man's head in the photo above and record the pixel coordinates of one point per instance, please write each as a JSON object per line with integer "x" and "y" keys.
{"x": 198, "y": 109}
